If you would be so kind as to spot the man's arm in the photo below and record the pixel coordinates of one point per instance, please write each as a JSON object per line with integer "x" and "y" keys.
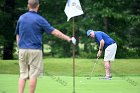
{"x": 17, "y": 38}
{"x": 59, "y": 34}
{"x": 101, "y": 45}
{"x": 100, "y": 48}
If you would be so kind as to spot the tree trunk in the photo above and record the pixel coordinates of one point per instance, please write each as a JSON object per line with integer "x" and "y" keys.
{"x": 105, "y": 19}
{"x": 8, "y": 33}
{"x": 8, "y": 51}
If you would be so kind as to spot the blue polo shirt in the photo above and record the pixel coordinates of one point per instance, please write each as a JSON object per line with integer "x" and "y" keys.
{"x": 30, "y": 28}
{"x": 99, "y": 35}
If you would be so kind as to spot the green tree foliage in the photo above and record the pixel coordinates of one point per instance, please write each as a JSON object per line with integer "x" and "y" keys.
{"x": 7, "y": 28}
{"x": 119, "y": 18}
{"x": 9, "y": 11}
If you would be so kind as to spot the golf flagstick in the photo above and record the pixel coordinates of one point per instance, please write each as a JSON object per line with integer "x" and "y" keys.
{"x": 73, "y": 32}
{"x": 72, "y": 9}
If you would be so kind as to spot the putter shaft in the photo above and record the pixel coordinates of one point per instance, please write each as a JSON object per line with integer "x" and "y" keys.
{"x": 93, "y": 68}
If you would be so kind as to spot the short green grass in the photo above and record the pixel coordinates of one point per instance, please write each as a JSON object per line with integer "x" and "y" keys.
{"x": 58, "y": 76}
{"x": 64, "y": 84}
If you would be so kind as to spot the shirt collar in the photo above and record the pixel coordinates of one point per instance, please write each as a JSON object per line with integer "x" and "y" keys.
{"x": 33, "y": 11}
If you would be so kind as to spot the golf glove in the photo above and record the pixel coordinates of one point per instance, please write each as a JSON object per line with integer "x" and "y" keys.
{"x": 73, "y": 40}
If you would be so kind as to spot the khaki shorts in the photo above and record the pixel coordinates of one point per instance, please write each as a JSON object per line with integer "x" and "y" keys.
{"x": 30, "y": 62}
{"x": 110, "y": 52}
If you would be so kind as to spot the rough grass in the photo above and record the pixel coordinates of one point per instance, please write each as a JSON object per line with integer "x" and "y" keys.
{"x": 83, "y": 67}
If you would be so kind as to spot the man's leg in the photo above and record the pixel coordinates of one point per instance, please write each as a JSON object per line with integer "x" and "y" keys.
{"x": 107, "y": 68}
{"x": 32, "y": 85}
{"x": 21, "y": 85}
{"x": 35, "y": 62}
{"x": 23, "y": 70}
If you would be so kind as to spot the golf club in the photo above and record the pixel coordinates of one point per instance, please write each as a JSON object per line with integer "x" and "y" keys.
{"x": 94, "y": 64}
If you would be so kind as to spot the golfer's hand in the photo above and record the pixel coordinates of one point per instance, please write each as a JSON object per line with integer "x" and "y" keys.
{"x": 99, "y": 54}
{"x": 73, "y": 40}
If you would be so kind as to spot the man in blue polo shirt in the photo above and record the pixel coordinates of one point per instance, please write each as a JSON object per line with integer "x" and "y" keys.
{"x": 29, "y": 31}
{"x": 105, "y": 43}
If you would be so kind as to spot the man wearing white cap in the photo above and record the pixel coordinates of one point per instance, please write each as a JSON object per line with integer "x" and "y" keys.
{"x": 106, "y": 43}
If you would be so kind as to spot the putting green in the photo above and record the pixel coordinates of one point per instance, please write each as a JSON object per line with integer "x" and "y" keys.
{"x": 63, "y": 84}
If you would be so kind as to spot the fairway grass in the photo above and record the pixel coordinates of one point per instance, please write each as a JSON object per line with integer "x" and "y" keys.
{"x": 63, "y": 84}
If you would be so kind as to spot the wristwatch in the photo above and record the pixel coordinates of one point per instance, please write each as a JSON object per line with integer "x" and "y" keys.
{"x": 100, "y": 49}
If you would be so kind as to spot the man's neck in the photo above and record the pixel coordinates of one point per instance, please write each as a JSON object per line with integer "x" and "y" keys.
{"x": 33, "y": 10}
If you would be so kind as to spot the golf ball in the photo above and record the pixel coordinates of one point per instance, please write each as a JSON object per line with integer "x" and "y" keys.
{"x": 80, "y": 81}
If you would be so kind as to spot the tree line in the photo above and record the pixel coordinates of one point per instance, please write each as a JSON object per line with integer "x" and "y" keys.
{"x": 119, "y": 18}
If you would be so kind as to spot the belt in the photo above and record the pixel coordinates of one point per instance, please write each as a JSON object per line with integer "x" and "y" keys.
{"x": 112, "y": 43}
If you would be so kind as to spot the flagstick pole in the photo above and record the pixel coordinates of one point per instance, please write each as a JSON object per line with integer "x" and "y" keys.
{"x": 73, "y": 32}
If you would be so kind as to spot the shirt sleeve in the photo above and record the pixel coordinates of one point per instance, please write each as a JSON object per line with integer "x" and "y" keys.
{"x": 46, "y": 26}
{"x": 99, "y": 37}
